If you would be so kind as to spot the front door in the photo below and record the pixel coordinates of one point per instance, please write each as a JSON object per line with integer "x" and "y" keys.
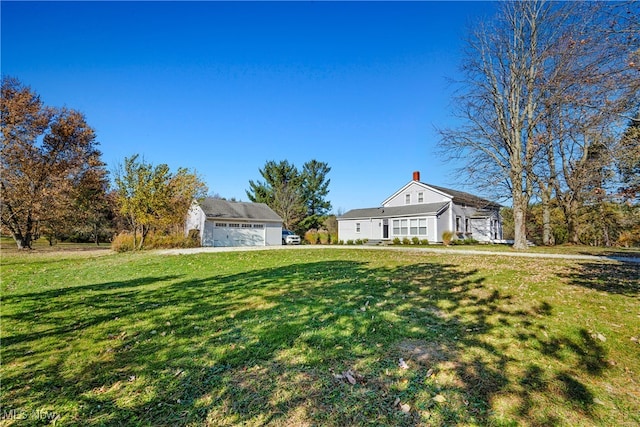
{"x": 385, "y": 228}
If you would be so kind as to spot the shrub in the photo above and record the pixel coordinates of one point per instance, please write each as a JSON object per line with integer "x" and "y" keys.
{"x": 194, "y": 234}
{"x": 169, "y": 241}
{"x": 396, "y": 241}
{"x": 358, "y": 241}
{"x": 341, "y": 242}
{"x": 447, "y": 237}
{"x": 311, "y": 236}
{"x": 406, "y": 241}
{"x": 123, "y": 242}
{"x": 460, "y": 242}
{"x": 333, "y": 239}
{"x": 415, "y": 240}
{"x": 628, "y": 239}
{"x": 323, "y": 236}
{"x": 349, "y": 242}
{"x": 424, "y": 242}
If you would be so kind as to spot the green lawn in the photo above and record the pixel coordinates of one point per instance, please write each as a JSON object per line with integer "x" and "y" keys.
{"x": 278, "y": 338}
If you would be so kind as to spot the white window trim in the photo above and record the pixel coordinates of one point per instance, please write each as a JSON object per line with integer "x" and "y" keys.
{"x": 397, "y": 225}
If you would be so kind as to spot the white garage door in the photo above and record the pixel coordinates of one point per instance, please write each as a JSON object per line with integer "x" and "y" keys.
{"x": 233, "y": 234}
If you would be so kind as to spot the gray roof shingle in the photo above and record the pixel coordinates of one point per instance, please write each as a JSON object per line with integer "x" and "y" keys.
{"x": 223, "y": 209}
{"x": 395, "y": 211}
{"x": 462, "y": 198}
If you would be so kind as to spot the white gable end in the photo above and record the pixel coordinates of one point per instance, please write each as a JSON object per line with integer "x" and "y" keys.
{"x": 416, "y": 193}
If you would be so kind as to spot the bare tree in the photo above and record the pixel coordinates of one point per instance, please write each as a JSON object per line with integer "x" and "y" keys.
{"x": 498, "y": 104}
{"x": 545, "y": 86}
{"x": 589, "y": 84}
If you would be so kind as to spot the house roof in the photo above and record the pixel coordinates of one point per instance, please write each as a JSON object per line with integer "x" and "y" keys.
{"x": 462, "y": 198}
{"x": 458, "y": 197}
{"x": 396, "y": 211}
{"x": 223, "y": 209}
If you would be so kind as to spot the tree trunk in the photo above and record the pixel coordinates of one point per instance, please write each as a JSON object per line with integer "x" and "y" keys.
{"x": 571, "y": 215}
{"x": 606, "y": 240}
{"x": 520, "y": 204}
{"x": 23, "y": 240}
{"x": 143, "y": 235}
{"x": 547, "y": 236}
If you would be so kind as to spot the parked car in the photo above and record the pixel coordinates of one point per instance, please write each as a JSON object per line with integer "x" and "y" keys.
{"x": 290, "y": 238}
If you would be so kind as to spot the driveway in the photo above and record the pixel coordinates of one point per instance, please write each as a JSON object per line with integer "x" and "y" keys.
{"x": 397, "y": 248}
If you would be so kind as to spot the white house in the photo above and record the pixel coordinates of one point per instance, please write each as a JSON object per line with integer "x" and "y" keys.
{"x": 224, "y": 223}
{"x": 424, "y": 211}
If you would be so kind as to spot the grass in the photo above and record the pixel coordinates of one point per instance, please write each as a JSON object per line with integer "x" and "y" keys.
{"x": 266, "y": 337}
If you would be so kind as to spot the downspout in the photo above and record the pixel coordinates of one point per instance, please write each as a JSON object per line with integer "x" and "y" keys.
{"x": 451, "y": 216}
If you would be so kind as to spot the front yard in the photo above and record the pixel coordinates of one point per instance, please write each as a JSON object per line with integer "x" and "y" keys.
{"x": 318, "y": 337}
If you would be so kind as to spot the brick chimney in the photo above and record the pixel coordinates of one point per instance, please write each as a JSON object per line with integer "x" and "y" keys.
{"x": 416, "y": 175}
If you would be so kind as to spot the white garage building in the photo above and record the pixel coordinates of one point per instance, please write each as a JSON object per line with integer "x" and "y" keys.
{"x": 224, "y": 223}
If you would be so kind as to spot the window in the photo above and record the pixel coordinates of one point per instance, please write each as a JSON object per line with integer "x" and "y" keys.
{"x": 220, "y": 224}
{"x": 422, "y": 226}
{"x": 413, "y": 227}
{"x": 458, "y": 224}
{"x": 258, "y": 225}
{"x": 407, "y": 199}
{"x": 410, "y": 227}
{"x": 421, "y": 197}
{"x": 357, "y": 227}
{"x": 403, "y": 227}
{"x": 246, "y": 225}
{"x": 418, "y": 227}
{"x": 466, "y": 225}
{"x": 234, "y": 225}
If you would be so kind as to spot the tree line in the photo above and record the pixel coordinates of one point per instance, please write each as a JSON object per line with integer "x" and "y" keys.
{"x": 53, "y": 183}
{"x": 548, "y": 100}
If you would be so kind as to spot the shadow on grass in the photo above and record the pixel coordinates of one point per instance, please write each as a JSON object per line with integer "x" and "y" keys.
{"x": 619, "y": 278}
{"x": 262, "y": 346}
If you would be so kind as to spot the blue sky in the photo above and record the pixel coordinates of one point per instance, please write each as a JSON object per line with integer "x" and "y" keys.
{"x": 223, "y": 87}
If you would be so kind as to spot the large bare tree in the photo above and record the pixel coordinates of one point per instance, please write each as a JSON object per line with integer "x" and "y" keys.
{"x": 498, "y": 104}
{"x": 589, "y": 85}
{"x": 544, "y": 88}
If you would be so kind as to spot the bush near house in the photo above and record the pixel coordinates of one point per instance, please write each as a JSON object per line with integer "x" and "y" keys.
{"x": 447, "y": 237}
{"x": 311, "y": 236}
{"x": 323, "y": 237}
{"x": 466, "y": 241}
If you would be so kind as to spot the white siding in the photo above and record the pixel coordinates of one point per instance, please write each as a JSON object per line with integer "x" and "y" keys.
{"x": 195, "y": 221}
{"x": 370, "y": 228}
{"x": 481, "y": 229}
{"x": 273, "y": 234}
{"x": 432, "y": 229}
{"x": 413, "y": 189}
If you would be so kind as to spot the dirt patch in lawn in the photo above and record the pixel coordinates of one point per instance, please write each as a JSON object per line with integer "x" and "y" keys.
{"x": 424, "y": 353}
